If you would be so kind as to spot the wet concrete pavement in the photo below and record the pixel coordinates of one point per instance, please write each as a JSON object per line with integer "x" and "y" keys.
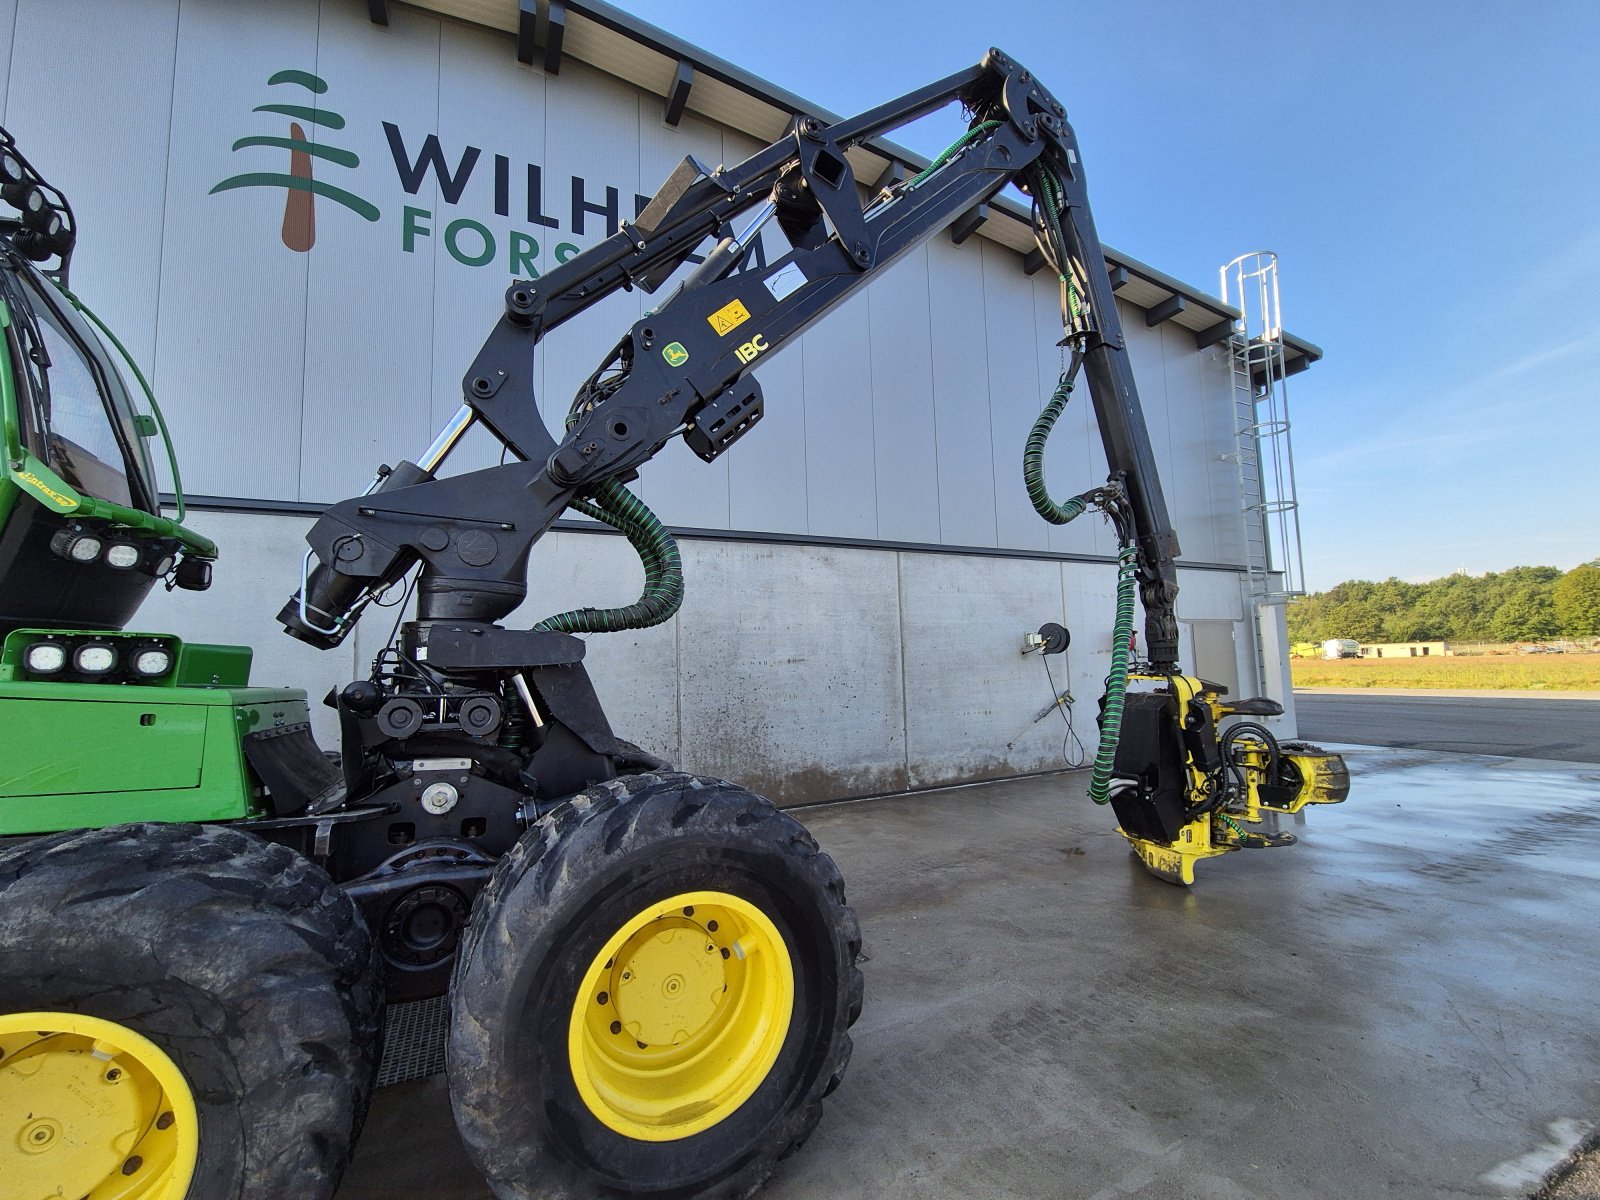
{"x": 1524, "y": 725}
{"x": 1403, "y": 1004}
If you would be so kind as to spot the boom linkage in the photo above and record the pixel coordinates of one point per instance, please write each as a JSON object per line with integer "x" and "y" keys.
{"x": 683, "y": 369}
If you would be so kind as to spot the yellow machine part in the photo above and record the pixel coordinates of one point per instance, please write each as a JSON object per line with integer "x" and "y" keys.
{"x": 1175, "y": 863}
{"x": 681, "y": 1015}
{"x": 91, "y": 1110}
{"x": 1323, "y": 779}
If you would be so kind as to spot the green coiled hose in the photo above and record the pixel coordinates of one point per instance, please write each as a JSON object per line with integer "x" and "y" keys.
{"x": 1116, "y": 678}
{"x": 1033, "y": 462}
{"x": 1051, "y": 198}
{"x": 952, "y": 150}
{"x": 658, "y": 551}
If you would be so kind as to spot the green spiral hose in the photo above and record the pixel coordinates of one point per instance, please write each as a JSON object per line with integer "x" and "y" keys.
{"x": 952, "y": 150}
{"x": 1033, "y": 462}
{"x": 1052, "y": 200}
{"x": 1116, "y": 679}
{"x": 658, "y": 551}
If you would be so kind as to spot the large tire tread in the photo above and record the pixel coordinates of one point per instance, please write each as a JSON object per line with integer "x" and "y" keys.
{"x": 628, "y": 813}
{"x": 240, "y": 958}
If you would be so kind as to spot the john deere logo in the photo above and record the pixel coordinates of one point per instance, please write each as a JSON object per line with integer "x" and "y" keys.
{"x": 301, "y": 185}
{"x": 675, "y": 354}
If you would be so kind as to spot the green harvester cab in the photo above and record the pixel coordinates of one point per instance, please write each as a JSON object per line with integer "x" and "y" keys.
{"x": 101, "y": 726}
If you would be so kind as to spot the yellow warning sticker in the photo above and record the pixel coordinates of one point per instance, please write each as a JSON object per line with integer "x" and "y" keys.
{"x": 729, "y": 317}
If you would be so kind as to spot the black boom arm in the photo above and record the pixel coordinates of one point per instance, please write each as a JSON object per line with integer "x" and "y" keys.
{"x": 684, "y": 369}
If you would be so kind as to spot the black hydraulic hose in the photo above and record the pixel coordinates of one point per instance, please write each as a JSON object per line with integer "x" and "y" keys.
{"x": 1257, "y": 731}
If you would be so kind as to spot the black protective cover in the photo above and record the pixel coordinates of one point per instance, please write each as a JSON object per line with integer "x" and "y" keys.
{"x": 1150, "y": 750}
{"x": 299, "y": 775}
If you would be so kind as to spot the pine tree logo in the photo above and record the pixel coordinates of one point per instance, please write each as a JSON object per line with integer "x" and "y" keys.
{"x": 301, "y": 186}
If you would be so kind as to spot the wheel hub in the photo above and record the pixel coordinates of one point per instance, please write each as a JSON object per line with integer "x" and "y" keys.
{"x": 91, "y": 1109}
{"x": 670, "y": 984}
{"x": 681, "y": 1016}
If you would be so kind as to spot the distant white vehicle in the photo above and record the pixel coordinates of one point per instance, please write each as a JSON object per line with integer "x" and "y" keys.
{"x": 1341, "y": 648}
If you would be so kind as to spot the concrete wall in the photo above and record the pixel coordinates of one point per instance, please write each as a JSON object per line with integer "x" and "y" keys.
{"x": 804, "y": 672}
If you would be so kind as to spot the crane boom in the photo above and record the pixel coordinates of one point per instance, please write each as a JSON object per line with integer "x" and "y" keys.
{"x": 686, "y": 367}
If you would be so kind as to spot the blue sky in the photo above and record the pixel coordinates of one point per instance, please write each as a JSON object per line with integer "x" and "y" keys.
{"x": 1428, "y": 173}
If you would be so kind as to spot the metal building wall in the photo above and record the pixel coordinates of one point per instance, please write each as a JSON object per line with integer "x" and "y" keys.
{"x": 900, "y": 418}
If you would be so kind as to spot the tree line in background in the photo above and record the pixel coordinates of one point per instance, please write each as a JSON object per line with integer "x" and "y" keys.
{"x": 1522, "y": 604}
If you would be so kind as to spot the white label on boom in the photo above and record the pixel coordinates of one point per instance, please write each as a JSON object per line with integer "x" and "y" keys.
{"x": 790, "y": 279}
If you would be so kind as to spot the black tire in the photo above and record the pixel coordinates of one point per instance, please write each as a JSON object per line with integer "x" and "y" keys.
{"x": 240, "y": 959}
{"x": 553, "y": 903}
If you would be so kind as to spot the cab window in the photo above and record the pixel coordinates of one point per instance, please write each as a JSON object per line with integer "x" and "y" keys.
{"x": 81, "y": 444}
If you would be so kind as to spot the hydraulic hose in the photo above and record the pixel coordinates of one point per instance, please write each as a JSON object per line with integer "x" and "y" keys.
{"x": 952, "y": 150}
{"x": 619, "y": 508}
{"x": 1116, "y": 678}
{"x": 1033, "y": 461}
{"x": 1051, "y": 198}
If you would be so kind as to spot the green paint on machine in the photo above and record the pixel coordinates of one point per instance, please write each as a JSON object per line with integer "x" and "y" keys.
{"x": 168, "y": 748}
{"x": 160, "y": 753}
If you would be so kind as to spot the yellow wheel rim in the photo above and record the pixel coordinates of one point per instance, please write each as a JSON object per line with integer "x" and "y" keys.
{"x": 91, "y": 1109}
{"x": 680, "y": 1016}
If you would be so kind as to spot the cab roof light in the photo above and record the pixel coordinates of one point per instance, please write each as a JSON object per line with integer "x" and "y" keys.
{"x": 23, "y": 197}
{"x": 124, "y": 556}
{"x": 77, "y": 544}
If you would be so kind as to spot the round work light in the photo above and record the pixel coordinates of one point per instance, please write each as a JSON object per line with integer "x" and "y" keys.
{"x": 94, "y": 659}
{"x": 151, "y": 663}
{"x": 23, "y": 197}
{"x": 45, "y": 658}
{"x": 76, "y": 545}
{"x": 123, "y": 555}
